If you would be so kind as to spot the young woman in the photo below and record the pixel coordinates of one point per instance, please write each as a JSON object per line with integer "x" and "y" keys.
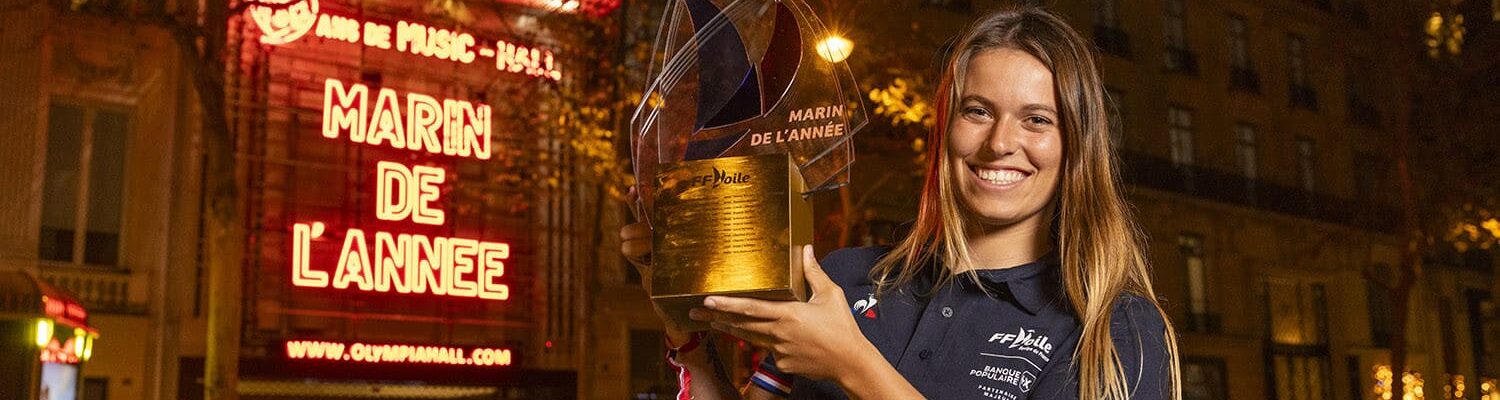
{"x": 1023, "y": 276}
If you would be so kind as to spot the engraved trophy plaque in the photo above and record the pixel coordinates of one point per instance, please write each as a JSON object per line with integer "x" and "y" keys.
{"x": 741, "y": 121}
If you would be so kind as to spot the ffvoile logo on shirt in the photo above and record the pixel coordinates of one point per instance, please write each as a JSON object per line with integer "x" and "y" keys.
{"x": 1026, "y": 340}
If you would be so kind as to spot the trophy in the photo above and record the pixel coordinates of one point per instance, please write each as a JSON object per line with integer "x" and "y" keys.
{"x": 741, "y": 121}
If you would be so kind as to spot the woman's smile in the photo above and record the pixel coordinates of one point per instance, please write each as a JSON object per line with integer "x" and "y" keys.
{"x": 999, "y": 178}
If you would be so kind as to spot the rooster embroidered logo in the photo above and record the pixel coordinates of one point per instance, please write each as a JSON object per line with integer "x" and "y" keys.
{"x": 865, "y": 307}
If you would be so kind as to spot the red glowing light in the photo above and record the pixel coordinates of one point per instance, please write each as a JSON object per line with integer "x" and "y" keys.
{"x": 369, "y": 353}
{"x": 61, "y": 352}
{"x": 283, "y": 25}
{"x": 447, "y": 127}
{"x": 383, "y": 261}
{"x": 66, "y": 311}
{"x": 405, "y": 263}
{"x": 548, "y": 344}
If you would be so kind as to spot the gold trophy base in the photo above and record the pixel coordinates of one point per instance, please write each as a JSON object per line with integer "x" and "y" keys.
{"x": 731, "y": 226}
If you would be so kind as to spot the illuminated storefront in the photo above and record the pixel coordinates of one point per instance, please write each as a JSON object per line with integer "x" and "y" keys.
{"x": 51, "y": 330}
{"x": 395, "y": 237}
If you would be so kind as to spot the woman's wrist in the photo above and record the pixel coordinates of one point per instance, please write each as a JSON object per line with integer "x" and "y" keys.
{"x": 676, "y": 337}
{"x": 860, "y": 365}
{"x": 684, "y": 342}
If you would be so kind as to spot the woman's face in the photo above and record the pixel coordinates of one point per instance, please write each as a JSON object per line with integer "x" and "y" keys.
{"x": 1005, "y": 145}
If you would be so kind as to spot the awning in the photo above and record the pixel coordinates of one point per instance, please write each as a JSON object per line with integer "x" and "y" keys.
{"x": 23, "y": 295}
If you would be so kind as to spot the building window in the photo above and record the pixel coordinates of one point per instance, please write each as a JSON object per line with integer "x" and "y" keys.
{"x": 1203, "y": 379}
{"x": 1484, "y": 319}
{"x": 84, "y": 185}
{"x": 1378, "y": 304}
{"x": 1181, "y": 131}
{"x": 1200, "y": 317}
{"x": 1362, "y": 110}
{"x": 1116, "y": 102}
{"x": 1297, "y": 332}
{"x": 1369, "y": 171}
{"x": 1301, "y": 91}
{"x": 1242, "y": 75}
{"x": 1178, "y": 57}
{"x": 1108, "y": 34}
{"x": 1356, "y": 11}
{"x": 1244, "y": 149}
{"x": 1306, "y": 163}
{"x": 1325, "y": 5}
{"x": 95, "y": 388}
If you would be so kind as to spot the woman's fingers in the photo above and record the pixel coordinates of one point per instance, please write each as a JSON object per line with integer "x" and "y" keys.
{"x": 822, "y": 286}
{"x": 760, "y": 332}
{"x": 753, "y": 308}
{"x": 635, "y": 243}
{"x": 633, "y": 198}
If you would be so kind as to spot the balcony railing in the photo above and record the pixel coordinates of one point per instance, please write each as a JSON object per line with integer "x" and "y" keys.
{"x": 101, "y": 290}
{"x": 1159, "y": 173}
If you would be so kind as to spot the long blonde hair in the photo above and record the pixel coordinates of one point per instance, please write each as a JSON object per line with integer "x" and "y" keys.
{"x": 1100, "y": 247}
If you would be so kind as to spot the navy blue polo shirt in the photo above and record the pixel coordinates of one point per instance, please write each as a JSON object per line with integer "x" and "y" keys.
{"x": 960, "y": 342}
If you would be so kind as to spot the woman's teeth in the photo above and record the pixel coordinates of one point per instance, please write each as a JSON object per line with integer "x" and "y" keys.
{"x": 1000, "y": 177}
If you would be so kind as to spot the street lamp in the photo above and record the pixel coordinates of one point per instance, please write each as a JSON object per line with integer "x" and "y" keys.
{"x": 43, "y": 332}
{"x": 835, "y": 48}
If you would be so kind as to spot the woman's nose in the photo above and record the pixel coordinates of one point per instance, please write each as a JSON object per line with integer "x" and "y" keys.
{"x": 1003, "y": 138}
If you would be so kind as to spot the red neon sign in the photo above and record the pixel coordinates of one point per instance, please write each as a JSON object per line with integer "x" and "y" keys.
{"x": 358, "y": 352}
{"x": 384, "y": 261}
{"x": 283, "y": 24}
{"x": 69, "y": 312}
{"x": 421, "y": 123}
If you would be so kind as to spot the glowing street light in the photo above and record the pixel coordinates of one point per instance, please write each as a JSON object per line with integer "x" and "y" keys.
{"x": 835, "y": 48}
{"x": 43, "y": 332}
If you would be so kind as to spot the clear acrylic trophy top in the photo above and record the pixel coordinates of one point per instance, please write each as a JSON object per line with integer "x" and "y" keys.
{"x": 744, "y": 77}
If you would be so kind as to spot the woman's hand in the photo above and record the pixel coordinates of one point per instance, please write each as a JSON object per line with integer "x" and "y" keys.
{"x": 635, "y": 245}
{"x": 812, "y": 339}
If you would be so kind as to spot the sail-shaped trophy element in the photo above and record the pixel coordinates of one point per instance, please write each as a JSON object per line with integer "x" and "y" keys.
{"x": 741, "y": 121}
{"x": 743, "y": 77}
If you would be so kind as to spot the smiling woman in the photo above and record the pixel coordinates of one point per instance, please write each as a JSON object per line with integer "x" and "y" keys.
{"x": 1007, "y": 139}
{"x": 1023, "y": 276}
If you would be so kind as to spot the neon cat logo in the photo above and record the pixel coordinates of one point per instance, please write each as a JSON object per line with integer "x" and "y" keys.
{"x": 284, "y": 21}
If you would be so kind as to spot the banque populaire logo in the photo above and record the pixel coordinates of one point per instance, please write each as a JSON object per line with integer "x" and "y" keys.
{"x": 284, "y": 21}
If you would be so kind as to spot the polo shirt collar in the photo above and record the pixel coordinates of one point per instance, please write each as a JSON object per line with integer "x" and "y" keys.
{"x": 1032, "y": 285}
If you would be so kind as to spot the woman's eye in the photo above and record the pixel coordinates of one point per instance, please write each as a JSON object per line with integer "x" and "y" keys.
{"x": 1038, "y": 120}
{"x": 976, "y": 112}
